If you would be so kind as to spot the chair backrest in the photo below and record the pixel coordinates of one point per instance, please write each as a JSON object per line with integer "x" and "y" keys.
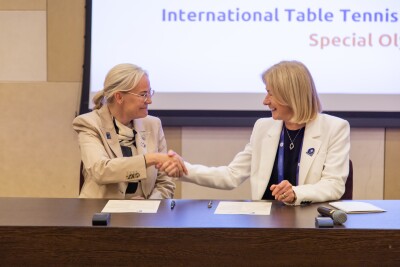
{"x": 348, "y": 193}
{"x": 81, "y": 178}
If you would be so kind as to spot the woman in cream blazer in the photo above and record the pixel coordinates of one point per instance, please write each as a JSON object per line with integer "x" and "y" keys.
{"x": 120, "y": 122}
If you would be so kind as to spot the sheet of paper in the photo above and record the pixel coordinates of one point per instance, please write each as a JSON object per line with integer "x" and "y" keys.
{"x": 355, "y": 207}
{"x": 249, "y": 208}
{"x": 139, "y": 206}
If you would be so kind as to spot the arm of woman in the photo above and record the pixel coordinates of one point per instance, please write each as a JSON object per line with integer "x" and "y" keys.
{"x": 98, "y": 158}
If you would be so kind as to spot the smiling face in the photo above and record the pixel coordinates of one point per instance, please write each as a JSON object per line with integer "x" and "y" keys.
{"x": 134, "y": 106}
{"x": 279, "y": 111}
{"x": 291, "y": 93}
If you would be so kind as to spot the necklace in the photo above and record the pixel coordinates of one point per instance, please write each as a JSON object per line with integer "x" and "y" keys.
{"x": 291, "y": 146}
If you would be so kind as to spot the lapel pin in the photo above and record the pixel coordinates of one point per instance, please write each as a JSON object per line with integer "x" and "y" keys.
{"x": 143, "y": 137}
{"x": 310, "y": 151}
{"x": 108, "y": 135}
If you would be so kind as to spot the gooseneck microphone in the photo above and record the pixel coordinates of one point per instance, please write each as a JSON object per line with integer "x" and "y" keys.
{"x": 338, "y": 216}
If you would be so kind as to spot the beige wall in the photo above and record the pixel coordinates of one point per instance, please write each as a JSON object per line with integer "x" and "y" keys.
{"x": 41, "y": 55}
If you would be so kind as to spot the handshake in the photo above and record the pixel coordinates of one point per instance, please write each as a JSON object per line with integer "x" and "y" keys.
{"x": 171, "y": 163}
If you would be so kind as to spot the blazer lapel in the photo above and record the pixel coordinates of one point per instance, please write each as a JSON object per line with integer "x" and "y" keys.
{"x": 141, "y": 137}
{"x": 311, "y": 146}
{"x": 108, "y": 131}
{"x": 141, "y": 147}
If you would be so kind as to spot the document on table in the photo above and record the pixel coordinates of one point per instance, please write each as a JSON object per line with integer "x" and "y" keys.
{"x": 249, "y": 208}
{"x": 139, "y": 206}
{"x": 356, "y": 207}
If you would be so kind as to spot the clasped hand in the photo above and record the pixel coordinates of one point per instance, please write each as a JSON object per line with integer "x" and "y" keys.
{"x": 172, "y": 164}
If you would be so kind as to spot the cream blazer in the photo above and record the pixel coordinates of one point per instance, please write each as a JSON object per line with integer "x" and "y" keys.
{"x": 324, "y": 164}
{"x": 106, "y": 171}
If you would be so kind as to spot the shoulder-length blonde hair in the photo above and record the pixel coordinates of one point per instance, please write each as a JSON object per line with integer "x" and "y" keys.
{"x": 121, "y": 78}
{"x": 291, "y": 83}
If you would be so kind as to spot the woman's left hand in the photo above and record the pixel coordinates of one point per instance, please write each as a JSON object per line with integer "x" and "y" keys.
{"x": 283, "y": 192}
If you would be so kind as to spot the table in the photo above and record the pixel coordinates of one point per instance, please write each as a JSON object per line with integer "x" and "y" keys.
{"x": 58, "y": 232}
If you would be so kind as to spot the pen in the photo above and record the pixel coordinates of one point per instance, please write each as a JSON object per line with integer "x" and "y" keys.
{"x": 209, "y": 204}
{"x": 172, "y": 204}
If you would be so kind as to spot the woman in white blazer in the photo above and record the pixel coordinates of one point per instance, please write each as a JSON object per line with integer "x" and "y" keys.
{"x": 120, "y": 143}
{"x": 297, "y": 156}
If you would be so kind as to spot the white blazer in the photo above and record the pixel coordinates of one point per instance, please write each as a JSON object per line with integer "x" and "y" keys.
{"x": 322, "y": 174}
{"x": 106, "y": 171}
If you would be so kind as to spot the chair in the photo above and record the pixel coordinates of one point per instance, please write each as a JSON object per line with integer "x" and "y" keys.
{"x": 81, "y": 178}
{"x": 348, "y": 192}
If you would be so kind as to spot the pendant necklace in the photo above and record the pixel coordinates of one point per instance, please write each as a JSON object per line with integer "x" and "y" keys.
{"x": 291, "y": 146}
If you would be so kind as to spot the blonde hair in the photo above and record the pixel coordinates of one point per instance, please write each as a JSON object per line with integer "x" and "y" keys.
{"x": 291, "y": 83}
{"x": 121, "y": 78}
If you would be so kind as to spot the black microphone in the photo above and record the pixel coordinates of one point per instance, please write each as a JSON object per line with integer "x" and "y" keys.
{"x": 338, "y": 216}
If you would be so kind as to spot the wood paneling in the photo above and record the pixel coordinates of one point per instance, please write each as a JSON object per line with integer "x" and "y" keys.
{"x": 23, "y": 46}
{"x": 367, "y": 154}
{"x": 23, "y": 4}
{"x": 214, "y": 147}
{"x": 39, "y": 149}
{"x": 66, "y": 30}
{"x": 392, "y": 164}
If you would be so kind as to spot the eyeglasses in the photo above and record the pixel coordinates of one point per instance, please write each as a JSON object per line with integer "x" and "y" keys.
{"x": 145, "y": 96}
